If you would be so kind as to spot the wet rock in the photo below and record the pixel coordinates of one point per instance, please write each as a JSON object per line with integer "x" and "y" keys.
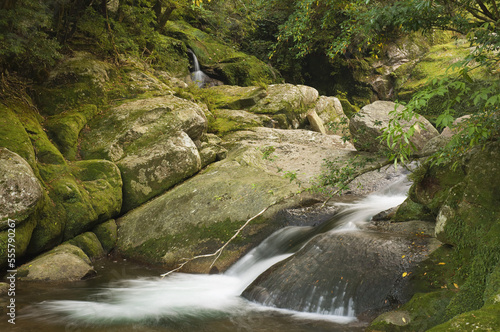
{"x": 107, "y": 234}
{"x": 63, "y": 263}
{"x": 347, "y": 273}
{"x": 90, "y": 245}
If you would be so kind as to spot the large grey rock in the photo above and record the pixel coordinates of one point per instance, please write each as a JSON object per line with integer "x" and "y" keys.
{"x": 63, "y": 263}
{"x": 151, "y": 140}
{"x": 200, "y": 214}
{"x": 153, "y": 170}
{"x": 20, "y": 190}
{"x": 346, "y": 273}
{"x": 368, "y": 124}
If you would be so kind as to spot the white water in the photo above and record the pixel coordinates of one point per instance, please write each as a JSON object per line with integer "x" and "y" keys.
{"x": 180, "y": 297}
{"x": 198, "y": 76}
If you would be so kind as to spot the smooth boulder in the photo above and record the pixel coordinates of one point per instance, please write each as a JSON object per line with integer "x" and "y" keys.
{"x": 367, "y": 126}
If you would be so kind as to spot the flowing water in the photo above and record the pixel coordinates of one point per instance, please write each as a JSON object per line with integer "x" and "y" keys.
{"x": 142, "y": 301}
{"x": 198, "y": 76}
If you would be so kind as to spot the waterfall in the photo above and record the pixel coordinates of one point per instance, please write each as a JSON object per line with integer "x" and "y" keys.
{"x": 197, "y": 75}
{"x": 180, "y": 297}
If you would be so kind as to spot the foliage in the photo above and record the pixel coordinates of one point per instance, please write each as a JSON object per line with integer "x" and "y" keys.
{"x": 25, "y": 42}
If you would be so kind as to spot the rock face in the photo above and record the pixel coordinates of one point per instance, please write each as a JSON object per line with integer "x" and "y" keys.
{"x": 366, "y": 127}
{"x": 20, "y": 190}
{"x": 64, "y": 263}
{"x": 349, "y": 273}
{"x": 152, "y": 142}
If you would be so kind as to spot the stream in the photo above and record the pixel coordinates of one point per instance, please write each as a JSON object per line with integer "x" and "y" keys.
{"x": 127, "y": 296}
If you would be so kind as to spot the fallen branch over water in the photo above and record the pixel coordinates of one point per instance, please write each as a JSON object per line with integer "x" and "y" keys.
{"x": 219, "y": 251}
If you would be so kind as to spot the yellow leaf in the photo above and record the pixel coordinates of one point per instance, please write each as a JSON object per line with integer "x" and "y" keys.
{"x": 405, "y": 274}
{"x": 454, "y": 284}
{"x": 442, "y": 263}
{"x": 404, "y": 320}
{"x": 403, "y": 256}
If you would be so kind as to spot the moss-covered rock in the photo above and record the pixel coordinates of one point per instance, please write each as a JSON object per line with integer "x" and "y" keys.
{"x": 89, "y": 243}
{"x": 63, "y": 263}
{"x": 219, "y": 60}
{"x": 107, "y": 234}
{"x": 65, "y": 128}
{"x": 14, "y": 137}
{"x": 152, "y": 142}
{"x": 409, "y": 210}
{"x": 78, "y": 79}
{"x": 485, "y": 319}
{"x": 466, "y": 200}
{"x": 23, "y": 236}
{"x": 422, "y": 312}
{"x": 226, "y": 120}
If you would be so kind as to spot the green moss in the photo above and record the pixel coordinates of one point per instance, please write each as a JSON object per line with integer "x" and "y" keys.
{"x": 102, "y": 181}
{"x": 13, "y": 136}
{"x": 54, "y": 100}
{"x": 23, "y": 235}
{"x": 485, "y": 319}
{"x": 65, "y": 128}
{"x": 349, "y": 109}
{"x": 89, "y": 243}
{"x": 492, "y": 289}
{"x": 107, "y": 234}
{"x": 410, "y": 210}
{"x": 423, "y": 311}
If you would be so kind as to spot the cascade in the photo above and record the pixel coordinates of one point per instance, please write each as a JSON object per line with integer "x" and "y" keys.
{"x": 181, "y": 296}
{"x": 197, "y": 75}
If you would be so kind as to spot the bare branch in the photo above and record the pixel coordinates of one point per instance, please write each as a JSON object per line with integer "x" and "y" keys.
{"x": 219, "y": 251}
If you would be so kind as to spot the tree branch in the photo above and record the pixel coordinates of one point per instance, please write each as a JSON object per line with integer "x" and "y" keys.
{"x": 219, "y": 251}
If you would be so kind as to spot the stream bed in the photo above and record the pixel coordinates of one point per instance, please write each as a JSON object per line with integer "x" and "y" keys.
{"x": 129, "y": 297}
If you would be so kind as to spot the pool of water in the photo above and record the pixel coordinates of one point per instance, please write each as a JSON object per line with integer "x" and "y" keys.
{"x": 130, "y": 297}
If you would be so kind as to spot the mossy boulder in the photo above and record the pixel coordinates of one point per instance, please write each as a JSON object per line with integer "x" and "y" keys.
{"x": 80, "y": 196}
{"x": 20, "y": 190}
{"x": 78, "y": 79}
{"x": 224, "y": 121}
{"x": 367, "y": 127}
{"x": 14, "y": 137}
{"x": 484, "y": 319}
{"x": 221, "y": 61}
{"x": 64, "y": 128}
{"x": 151, "y": 140}
{"x": 409, "y": 210}
{"x": 422, "y": 312}
{"x": 153, "y": 170}
{"x": 89, "y": 243}
{"x": 107, "y": 234}
{"x": 63, "y": 263}
{"x": 286, "y": 105}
